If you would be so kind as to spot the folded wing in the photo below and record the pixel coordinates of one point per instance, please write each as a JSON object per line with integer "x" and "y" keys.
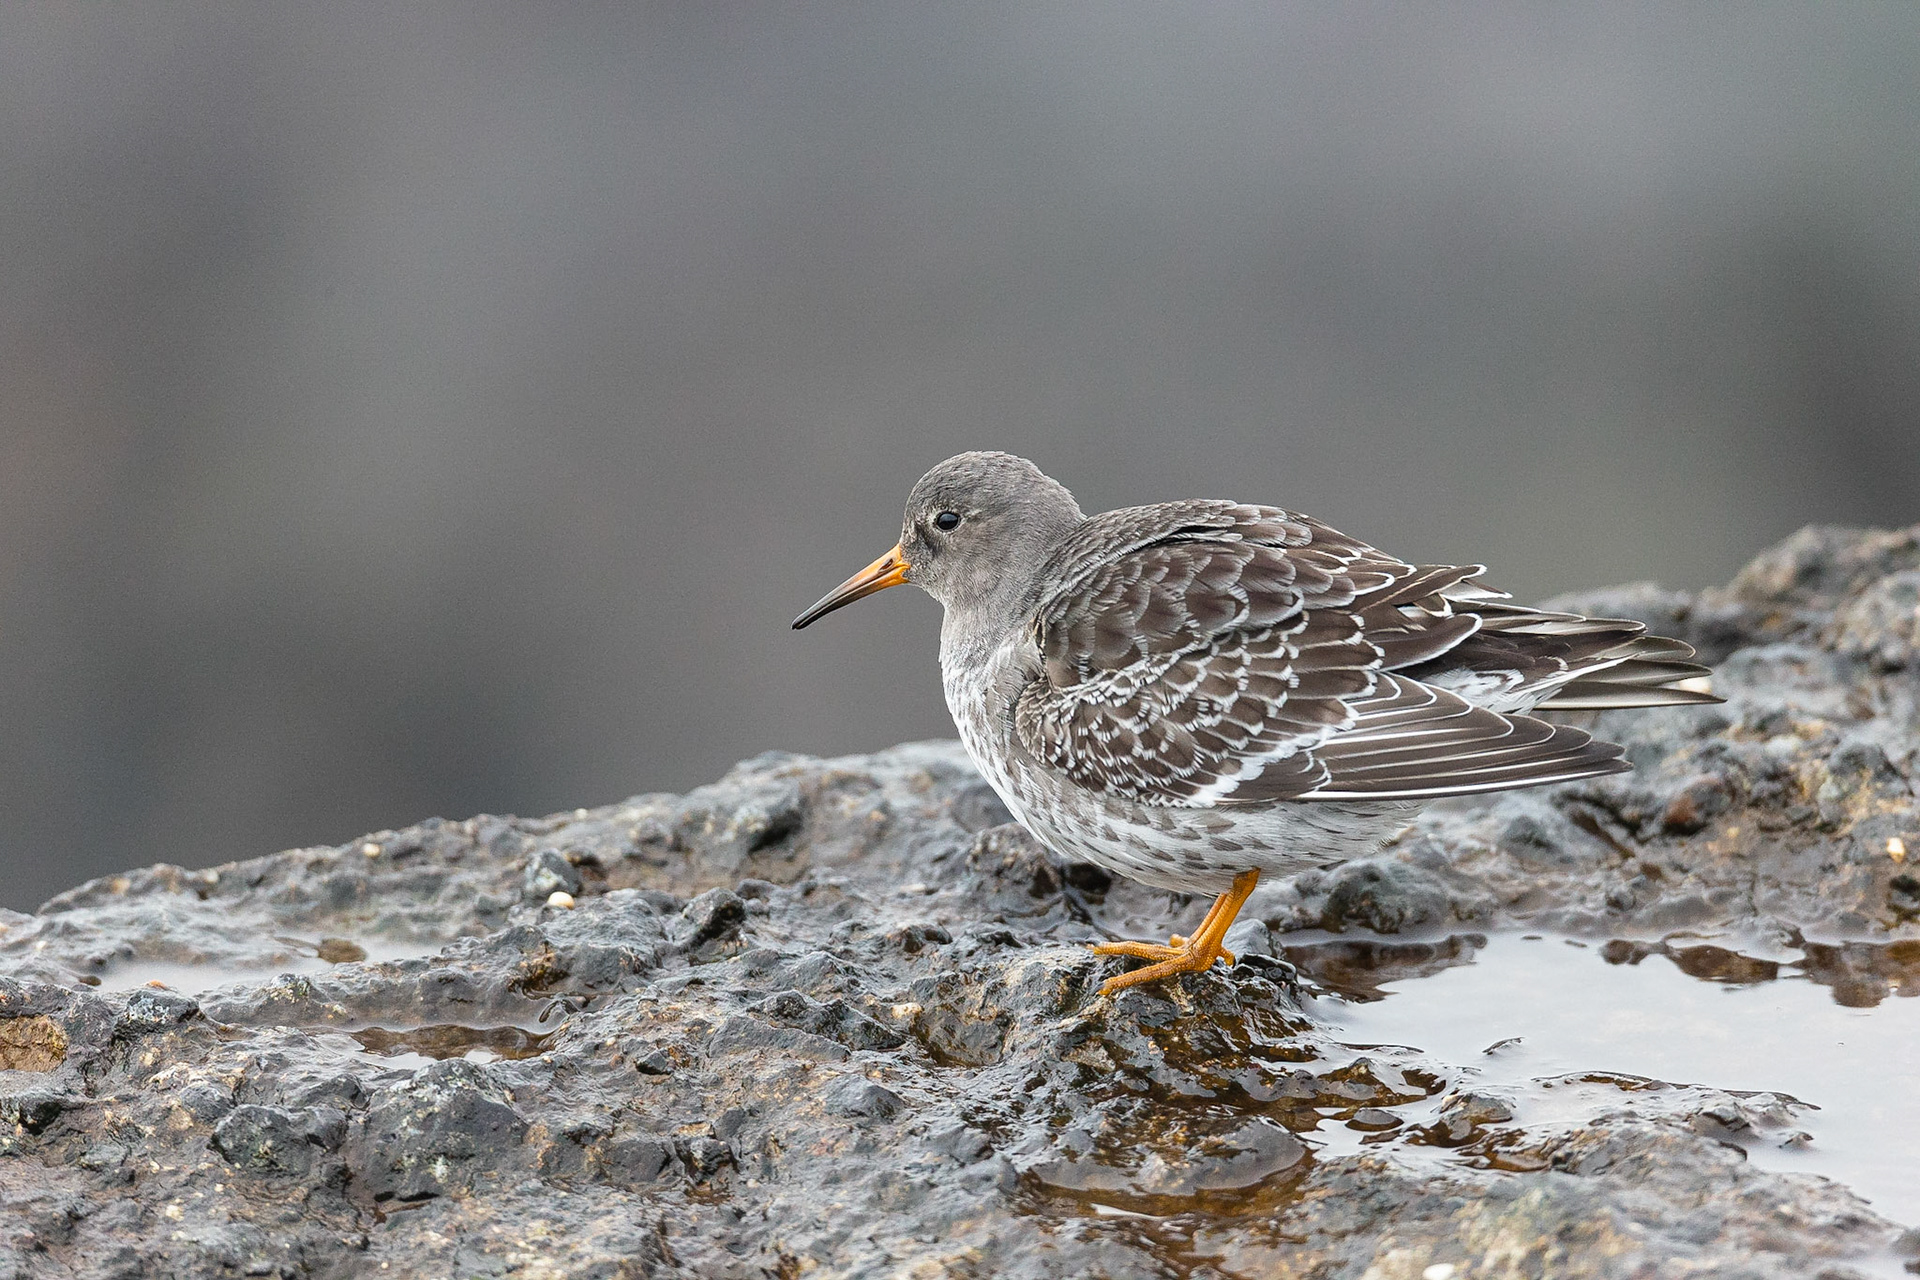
{"x": 1210, "y": 653}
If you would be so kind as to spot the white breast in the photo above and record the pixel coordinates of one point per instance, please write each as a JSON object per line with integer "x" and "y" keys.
{"x": 968, "y": 686}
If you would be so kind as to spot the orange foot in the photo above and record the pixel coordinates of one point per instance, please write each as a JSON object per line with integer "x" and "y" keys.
{"x": 1182, "y": 955}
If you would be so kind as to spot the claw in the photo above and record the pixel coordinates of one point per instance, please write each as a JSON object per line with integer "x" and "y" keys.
{"x": 1182, "y": 955}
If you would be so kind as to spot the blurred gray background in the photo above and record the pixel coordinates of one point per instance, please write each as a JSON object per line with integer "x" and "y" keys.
{"x": 412, "y": 410}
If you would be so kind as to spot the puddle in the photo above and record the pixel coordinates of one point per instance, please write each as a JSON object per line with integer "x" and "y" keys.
{"x": 448, "y": 1040}
{"x": 301, "y": 956}
{"x": 418, "y": 1046}
{"x": 1194, "y": 1115}
{"x": 1856, "y": 974}
{"x": 410, "y": 1048}
{"x": 1567, "y": 1030}
{"x": 529, "y": 1028}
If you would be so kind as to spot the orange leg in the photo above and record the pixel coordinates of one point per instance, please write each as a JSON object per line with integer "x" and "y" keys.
{"x": 1183, "y": 955}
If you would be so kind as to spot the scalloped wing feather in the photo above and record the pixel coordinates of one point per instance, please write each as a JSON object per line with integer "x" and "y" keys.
{"x": 1213, "y": 653}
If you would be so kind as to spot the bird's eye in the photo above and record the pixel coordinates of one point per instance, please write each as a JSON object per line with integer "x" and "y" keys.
{"x": 947, "y": 521}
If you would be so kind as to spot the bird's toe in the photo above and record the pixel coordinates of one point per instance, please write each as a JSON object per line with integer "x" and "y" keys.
{"x": 1141, "y": 950}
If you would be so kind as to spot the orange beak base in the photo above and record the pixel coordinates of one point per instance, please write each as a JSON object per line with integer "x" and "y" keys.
{"x": 890, "y": 570}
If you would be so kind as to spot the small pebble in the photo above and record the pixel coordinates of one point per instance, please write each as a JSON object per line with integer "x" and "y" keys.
{"x": 560, "y": 898}
{"x": 1896, "y": 848}
{"x": 371, "y": 849}
{"x": 1439, "y": 1271}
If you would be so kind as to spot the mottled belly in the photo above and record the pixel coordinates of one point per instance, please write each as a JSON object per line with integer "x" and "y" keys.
{"x": 1195, "y": 850}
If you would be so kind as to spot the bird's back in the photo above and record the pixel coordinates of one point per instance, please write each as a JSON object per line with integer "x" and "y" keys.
{"x": 1210, "y": 653}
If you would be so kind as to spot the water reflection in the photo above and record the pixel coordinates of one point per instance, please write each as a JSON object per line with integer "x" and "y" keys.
{"x": 1797, "y": 1060}
{"x": 195, "y": 975}
{"x": 1857, "y": 975}
{"x": 1862, "y": 974}
{"x": 451, "y": 1040}
{"x": 1360, "y": 968}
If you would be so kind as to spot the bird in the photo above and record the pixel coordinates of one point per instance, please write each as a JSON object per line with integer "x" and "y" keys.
{"x": 1194, "y": 694}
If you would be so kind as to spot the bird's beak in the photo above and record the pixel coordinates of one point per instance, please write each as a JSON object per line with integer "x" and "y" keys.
{"x": 890, "y": 570}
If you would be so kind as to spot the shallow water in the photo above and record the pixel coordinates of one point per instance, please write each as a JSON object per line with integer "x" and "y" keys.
{"x": 1568, "y": 1030}
{"x": 450, "y": 1040}
{"x": 1562, "y": 1029}
{"x": 404, "y": 1047}
{"x": 292, "y": 956}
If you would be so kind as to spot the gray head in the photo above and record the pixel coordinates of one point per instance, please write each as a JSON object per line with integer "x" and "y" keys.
{"x": 975, "y": 529}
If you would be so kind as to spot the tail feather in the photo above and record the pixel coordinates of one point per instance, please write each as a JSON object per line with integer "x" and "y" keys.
{"x": 1645, "y": 671}
{"x": 1524, "y": 659}
{"x": 1581, "y": 696}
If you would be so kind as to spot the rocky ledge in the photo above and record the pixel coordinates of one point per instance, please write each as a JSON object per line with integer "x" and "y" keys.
{"x": 835, "y": 1017}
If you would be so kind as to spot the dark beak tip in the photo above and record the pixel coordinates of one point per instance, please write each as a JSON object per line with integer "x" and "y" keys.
{"x": 889, "y": 570}
{"x": 820, "y": 610}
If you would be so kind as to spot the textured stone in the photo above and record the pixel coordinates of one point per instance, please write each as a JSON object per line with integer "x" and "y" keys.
{"x": 831, "y": 1017}
{"x": 34, "y": 1043}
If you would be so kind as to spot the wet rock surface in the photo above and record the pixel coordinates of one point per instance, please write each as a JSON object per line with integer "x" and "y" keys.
{"x": 833, "y": 1017}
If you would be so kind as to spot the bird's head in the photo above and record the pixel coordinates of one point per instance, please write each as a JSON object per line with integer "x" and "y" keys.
{"x": 976, "y": 528}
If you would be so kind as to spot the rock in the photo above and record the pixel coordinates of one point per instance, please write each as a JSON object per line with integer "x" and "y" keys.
{"x": 32, "y": 1043}
{"x": 836, "y": 1017}
{"x": 548, "y": 872}
{"x": 274, "y": 1140}
{"x": 1478, "y": 1108}
{"x": 714, "y": 916}
{"x": 1386, "y": 897}
{"x": 1822, "y": 568}
{"x": 150, "y": 1010}
{"x": 1881, "y": 624}
{"x": 32, "y": 1110}
{"x": 435, "y": 1134}
{"x": 636, "y": 1161}
{"x": 205, "y": 1102}
{"x": 864, "y": 1098}
{"x": 1228, "y": 1155}
{"x": 836, "y": 1021}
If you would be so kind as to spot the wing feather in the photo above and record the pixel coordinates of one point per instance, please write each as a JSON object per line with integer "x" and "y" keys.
{"x": 1210, "y": 653}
